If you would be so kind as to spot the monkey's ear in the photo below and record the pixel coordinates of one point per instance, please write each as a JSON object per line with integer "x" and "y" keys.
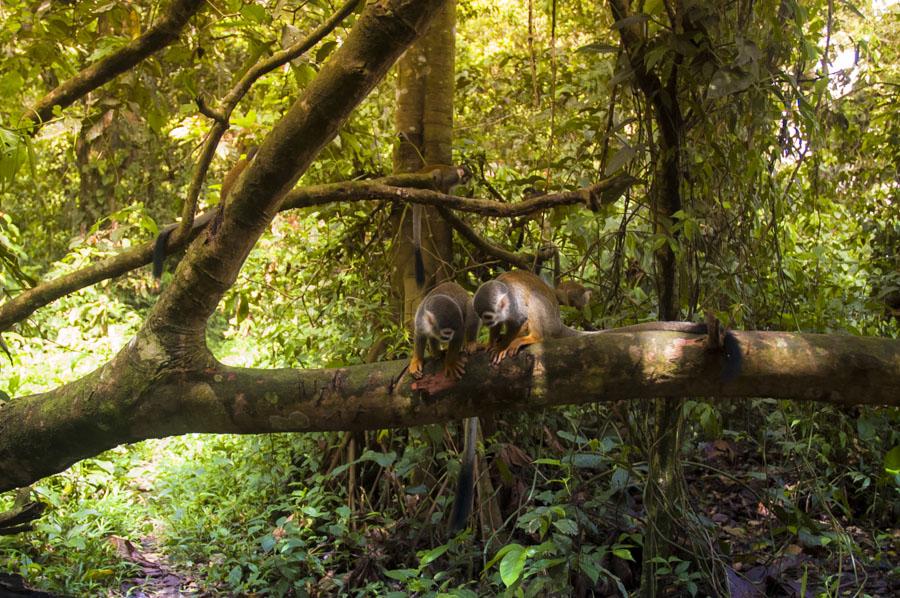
{"x": 430, "y": 320}
{"x": 502, "y": 302}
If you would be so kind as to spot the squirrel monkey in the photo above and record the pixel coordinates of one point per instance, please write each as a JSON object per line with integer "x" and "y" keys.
{"x": 231, "y": 177}
{"x": 526, "y": 306}
{"x": 443, "y": 178}
{"x": 447, "y": 315}
{"x": 529, "y": 310}
{"x": 573, "y": 294}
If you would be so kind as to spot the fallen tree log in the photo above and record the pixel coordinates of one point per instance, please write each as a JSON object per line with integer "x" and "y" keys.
{"x": 142, "y": 394}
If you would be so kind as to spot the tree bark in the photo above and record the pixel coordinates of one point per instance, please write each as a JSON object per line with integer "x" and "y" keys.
{"x": 380, "y": 35}
{"x": 424, "y": 121}
{"x": 131, "y": 399}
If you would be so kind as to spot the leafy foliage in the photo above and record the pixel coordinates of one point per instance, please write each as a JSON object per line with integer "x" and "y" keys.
{"x": 790, "y": 221}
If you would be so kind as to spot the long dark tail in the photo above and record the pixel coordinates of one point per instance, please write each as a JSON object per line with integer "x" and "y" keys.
{"x": 465, "y": 487}
{"x": 734, "y": 358}
{"x": 417, "y": 244}
{"x": 159, "y": 252}
{"x": 420, "y": 268}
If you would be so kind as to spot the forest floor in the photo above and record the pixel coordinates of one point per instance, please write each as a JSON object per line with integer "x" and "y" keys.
{"x": 776, "y": 552}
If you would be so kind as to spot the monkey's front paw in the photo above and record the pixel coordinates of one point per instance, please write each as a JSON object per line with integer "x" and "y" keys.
{"x": 516, "y": 345}
{"x": 415, "y": 368}
{"x": 455, "y": 370}
{"x": 498, "y": 356}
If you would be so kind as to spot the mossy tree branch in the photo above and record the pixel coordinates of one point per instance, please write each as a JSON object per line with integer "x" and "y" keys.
{"x": 132, "y": 399}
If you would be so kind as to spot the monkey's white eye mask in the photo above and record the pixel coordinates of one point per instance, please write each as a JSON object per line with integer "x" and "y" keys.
{"x": 498, "y": 315}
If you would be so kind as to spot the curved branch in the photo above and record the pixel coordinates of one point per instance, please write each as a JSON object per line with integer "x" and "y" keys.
{"x": 142, "y": 397}
{"x": 221, "y": 117}
{"x": 524, "y": 261}
{"x": 26, "y": 303}
{"x": 105, "y": 70}
{"x": 607, "y": 191}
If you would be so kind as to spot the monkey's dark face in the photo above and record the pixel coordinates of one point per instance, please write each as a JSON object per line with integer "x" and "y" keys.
{"x": 437, "y": 328}
{"x": 441, "y": 319}
{"x": 492, "y": 303}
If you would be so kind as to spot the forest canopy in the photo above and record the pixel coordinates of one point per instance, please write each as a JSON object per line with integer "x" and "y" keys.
{"x": 219, "y": 219}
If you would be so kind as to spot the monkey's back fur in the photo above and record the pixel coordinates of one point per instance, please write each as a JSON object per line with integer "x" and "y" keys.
{"x": 538, "y": 302}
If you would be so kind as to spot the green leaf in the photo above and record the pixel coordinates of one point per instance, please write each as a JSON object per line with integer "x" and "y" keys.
{"x": 513, "y": 564}
{"x": 243, "y": 308}
{"x": 588, "y": 461}
{"x": 623, "y": 553}
{"x": 95, "y": 574}
{"x": 255, "y": 12}
{"x": 654, "y": 55}
{"x": 304, "y": 73}
{"x": 620, "y": 159}
{"x": 402, "y": 574}
{"x": 429, "y": 556}
{"x": 566, "y": 526}
{"x": 892, "y": 461}
{"x": 589, "y": 567}
{"x": 619, "y": 479}
{"x": 383, "y": 459}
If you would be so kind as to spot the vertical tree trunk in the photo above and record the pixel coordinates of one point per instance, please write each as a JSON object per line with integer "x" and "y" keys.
{"x": 664, "y": 488}
{"x": 664, "y": 493}
{"x": 424, "y": 120}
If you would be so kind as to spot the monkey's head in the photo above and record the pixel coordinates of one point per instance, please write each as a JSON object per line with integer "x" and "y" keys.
{"x": 439, "y": 318}
{"x": 464, "y": 174}
{"x": 494, "y": 303}
{"x": 573, "y": 294}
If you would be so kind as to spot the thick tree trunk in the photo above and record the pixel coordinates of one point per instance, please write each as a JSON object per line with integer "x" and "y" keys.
{"x": 424, "y": 121}
{"x": 166, "y": 376}
{"x": 130, "y": 400}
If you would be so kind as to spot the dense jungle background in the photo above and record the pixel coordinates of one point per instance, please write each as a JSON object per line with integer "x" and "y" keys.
{"x": 741, "y": 158}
